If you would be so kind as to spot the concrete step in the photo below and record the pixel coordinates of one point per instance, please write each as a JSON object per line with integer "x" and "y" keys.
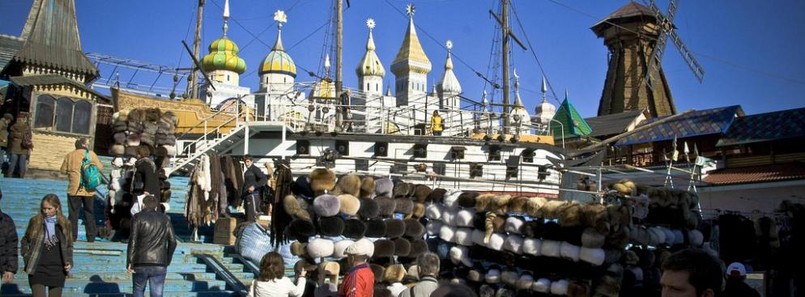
{"x": 102, "y": 286}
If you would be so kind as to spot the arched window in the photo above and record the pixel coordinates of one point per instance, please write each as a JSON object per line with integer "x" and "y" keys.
{"x": 81, "y": 117}
{"x": 64, "y": 114}
{"x": 45, "y": 105}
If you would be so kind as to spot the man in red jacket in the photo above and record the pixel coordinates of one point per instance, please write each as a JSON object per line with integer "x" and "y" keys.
{"x": 359, "y": 280}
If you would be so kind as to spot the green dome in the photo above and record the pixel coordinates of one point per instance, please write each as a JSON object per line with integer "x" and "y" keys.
{"x": 223, "y": 56}
{"x": 278, "y": 61}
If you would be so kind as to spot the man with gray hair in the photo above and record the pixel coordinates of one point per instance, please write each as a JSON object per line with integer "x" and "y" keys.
{"x": 428, "y": 266}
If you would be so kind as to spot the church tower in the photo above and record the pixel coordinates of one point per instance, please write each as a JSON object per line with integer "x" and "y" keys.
{"x": 449, "y": 88}
{"x": 411, "y": 67}
{"x": 370, "y": 71}
{"x": 630, "y": 33}
{"x": 224, "y": 67}
{"x": 278, "y": 71}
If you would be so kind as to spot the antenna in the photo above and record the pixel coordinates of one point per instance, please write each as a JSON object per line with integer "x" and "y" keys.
{"x": 667, "y": 29}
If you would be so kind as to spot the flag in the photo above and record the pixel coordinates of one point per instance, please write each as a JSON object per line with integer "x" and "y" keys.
{"x": 686, "y": 150}
{"x": 695, "y": 150}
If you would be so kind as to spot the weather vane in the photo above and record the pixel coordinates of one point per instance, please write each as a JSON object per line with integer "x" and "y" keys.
{"x": 370, "y": 23}
{"x": 280, "y": 17}
{"x": 410, "y": 9}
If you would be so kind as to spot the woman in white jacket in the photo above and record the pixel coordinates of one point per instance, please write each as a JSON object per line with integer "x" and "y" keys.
{"x": 272, "y": 281}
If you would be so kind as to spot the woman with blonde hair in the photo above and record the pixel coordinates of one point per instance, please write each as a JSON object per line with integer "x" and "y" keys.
{"x": 47, "y": 248}
{"x": 272, "y": 281}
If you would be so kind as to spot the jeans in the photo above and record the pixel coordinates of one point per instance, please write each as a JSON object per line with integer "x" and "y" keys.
{"x": 75, "y": 203}
{"x": 154, "y": 275}
{"x": 13, "y": 161}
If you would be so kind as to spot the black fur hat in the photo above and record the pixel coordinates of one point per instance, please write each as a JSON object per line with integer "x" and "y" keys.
{"x": 331, "y": 226}
{"x": 437, "y": 195}
{"x": 386, "y": 206}
{"x": 413, "y": 229}
{"x": 383, "y": 248}
{"x": 418, "y": 247}
{"x": 301, "y": 187}
{"x": 375, "y": 228}
{"x": 378, "y": 271}
{"x": 402, "y": 247}
{"x": 404, "y": 206}
{"x": 467, "y": 199}
{"x": 395, "y": 228}
{"x": 354, "y": 228}
{"x": 301, "y": 229}
{"x": 369, "y": 209}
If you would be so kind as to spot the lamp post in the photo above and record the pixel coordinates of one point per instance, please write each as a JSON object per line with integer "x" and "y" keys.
{"x": 562, "y": 126}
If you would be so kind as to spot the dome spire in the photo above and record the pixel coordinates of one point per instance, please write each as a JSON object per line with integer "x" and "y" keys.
{"x": 226, "y": 16}
{"x": 370, "y": 44}
{"x": 544, "y": 89}
{"x": 449, "y": 86}
{"x": 544, "y": 111}
{"x": 280, "y": 18}
{"x": 370, "y": 64}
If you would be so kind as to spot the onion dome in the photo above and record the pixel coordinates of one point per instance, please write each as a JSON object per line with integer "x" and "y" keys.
{"x": 223, "y": 56}
{"x": 370, "y": 64}
{"x": 278, "y": 61}
{"x": 544, "y": 111}
{"x": 449, "y": 82}
{"x": 519, "y": 111}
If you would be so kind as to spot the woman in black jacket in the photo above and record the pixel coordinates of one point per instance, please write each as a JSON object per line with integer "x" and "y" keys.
{"x": 47, "y": 249}
{"x": 145, "y": 179}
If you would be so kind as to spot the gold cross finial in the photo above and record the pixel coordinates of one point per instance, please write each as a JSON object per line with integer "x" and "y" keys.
{"x": 410, "y": 9}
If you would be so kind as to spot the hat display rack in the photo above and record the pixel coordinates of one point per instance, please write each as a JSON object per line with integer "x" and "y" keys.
{"x": 144, "y": 126}
{"x": 503, "y": 245}
{"x": 332, "y": 217}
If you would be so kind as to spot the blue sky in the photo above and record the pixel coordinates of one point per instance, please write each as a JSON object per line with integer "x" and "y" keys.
{"x": 750, "y": 50}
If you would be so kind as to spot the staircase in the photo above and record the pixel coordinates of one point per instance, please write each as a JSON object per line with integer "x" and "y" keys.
{"x": 206, "y": 144}
{"x": 99, "y": 267}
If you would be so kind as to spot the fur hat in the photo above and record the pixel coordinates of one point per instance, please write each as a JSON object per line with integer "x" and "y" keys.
{"x": 460, "y": 255}
{"x": 402, "y": 247}
{"x": 532, "y": 246}
{"x": 301, "y": 229}
{"x": 551, "y": 248}
{"x": 419, "y": 210}
{"x": 413, "y": 228}
{"x": 383, "y": 248}
{"x": 542, "y": 285}
{"x": 486, "y": 291}
{"x": 340, "y": 247}
{"x": 330, "y": 270}
{"x": 401, "y": 189}
{"x": 534, "y": 206}
{"x": 404, "y": 206}
{"x": 349, "y": 204}
{"x": 349, "y": 184}
{"x": 550, "y": 209}
{"x": 492, "y": 275}
{"x": 376, "y": 228}
{"x": 421, "y": 193}
{"x": 695, "y": 238}
{"x": 525, "y": 281}
{"x": 418, "y": 247}
{"x": 433, "y": 227}
{"x": 451, "y": 200}
{"x": 640, "y": 235}
{"x": 386, "y": 206}
{"x": 368, "y": 187}
{"x": 447, "y": 233}
{"x": 354, "y": 228}
{"x": 679, "y": 238}
{"x": 569, "y": 251}
{"x": 117, "y": 149}
{"x": 514, "y": 244}
{"x": 464, "y": 218}
{"x": 369, "y": 209}
{"x": 448, "y": 217}
{"x": 383, "y": 186}
{"x": 437, "y": 195}
{"x": 298, "y": 249}
{"x": 559, "y": 287}
{"x": 133, "y": 140}
{"x": 331, "y": 226}
{"x": 434, "y": 211}
{"x": 656, "y": 236}
{"x": 395, "y": 228}
{"x": 514, "y": 225}
{"x": 570, "y": 215}
{"x": 482, "y": 202}
{"x": 509, "y": 277}
{"x": 669, "y": 235}
{"x": 463, "y": 236}
{"x": 378, "y": 272}
{"x": 578, "y": 288}
{"x": 518, "y": 205}
{"x": 326, "y": 205}
{"x": 475, "y": 275}
{"x": 363, "y": 247}
{"x": 467, "y": 199}
{"x": 394, "y": 273}
{"x": 304, "y": 264}
{"x": 322, "y": 180}
{"x": 301, "y": 187}
{"x": 320, "y": 248}
{"x": 292, "y": 207}
{"x": 500, "y": 204}
{"x": 496, "y": 241}
{"x": 595, "y": 256}
{"x": 592, "y": 239}
{"x": 478, "y": 237}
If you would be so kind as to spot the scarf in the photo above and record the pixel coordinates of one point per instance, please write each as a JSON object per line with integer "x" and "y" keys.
{"x": 50, "y": 231}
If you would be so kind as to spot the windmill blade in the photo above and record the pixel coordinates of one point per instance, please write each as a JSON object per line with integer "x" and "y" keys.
{"x": 694, "y": 65}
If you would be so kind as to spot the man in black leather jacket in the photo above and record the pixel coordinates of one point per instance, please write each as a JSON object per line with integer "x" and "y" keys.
{"x": 151, "y": 247}
{"x": 253, "y": 181}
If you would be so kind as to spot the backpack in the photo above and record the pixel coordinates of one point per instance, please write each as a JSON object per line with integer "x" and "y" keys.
{"x": 90, "y": 175}
{"x": 27, "y": 140}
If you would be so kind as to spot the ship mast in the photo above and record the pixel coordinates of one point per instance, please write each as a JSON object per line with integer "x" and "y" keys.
{"x": 505, "y": 51}
{"x": 193, "y": 79}
{"x": 339, "y": 31}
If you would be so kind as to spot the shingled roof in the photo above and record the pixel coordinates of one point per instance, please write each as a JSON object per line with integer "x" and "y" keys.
{"x": 613, "y": 124}
{"x": 9, "y": 45}
{"x": 630, "y": 12}
{"x": 784, "y": 124}
{"x": 756, "y": 174}
{"x": 695, "y": 123}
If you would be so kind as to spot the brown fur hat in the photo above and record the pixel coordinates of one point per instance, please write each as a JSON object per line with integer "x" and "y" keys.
{"x": 419, "y": 210}
{"x": 551, "y": 209}
{"x": 367, "y": 187}
{"x": 377, "y": 270}
{"x": 437, "y": 195}
{"x": 376, "y": 228}
{"x": 117, "y": 149}
{"x": 401, "y": 189}
{"x": 395, "y": 228}
{"x": 500, "y": 204}
{"x": 349, "y": 204}
{"x": 292, "y": 208}
{"x": 402, "y": 247}
{"x": 354, "y": 228}
{"x": 467, "y": 199}
{"x": 383, "y": 248}
{"x": 595, "y": 215}
{"x": 578, "y": 288}
{"x": 322, "y": 180}
{"x": 413, "y": 228}
{"x": 152, "y": 114}
{"x": 331, "y": 226}
{"x": 570, "y": 215}
{"x": 349, "y": 184}
{"x": 386, "y": 206}
{"x": 534, "y": 206}
{"x": 619, "y": 215}
{"x": 394, "y": 273}
{"x": 421, "y": 193}
{"x": 517, "y": 204}
{"x": 418, "y": 247}
{"x": 404, "y": 206}
{"x": 483, "y": 202}
{"x": 298, "y": 249}
{"x": 369, "y": 209}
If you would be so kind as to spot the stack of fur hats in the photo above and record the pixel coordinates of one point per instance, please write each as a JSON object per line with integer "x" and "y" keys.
{"x": 146, "y": 126}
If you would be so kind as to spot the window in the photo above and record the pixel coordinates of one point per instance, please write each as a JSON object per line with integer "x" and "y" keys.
{"x": 63, "y": 114}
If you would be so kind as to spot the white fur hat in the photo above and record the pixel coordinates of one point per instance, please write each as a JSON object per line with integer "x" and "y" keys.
{"x": 532, "y": 246}
{"x": 669, "y": 235}
{"x": 656, "y": 235}
{"x": 492, "y": 276}
{"x": 340, "y": 247}
{"x": 448, "y": 217}
{"x": 514, "y": 225}
{"x": 460, "y": 254}
{"x": 434, "y": 211}
{"x": 434, "y": 226}
{"x": 679, "y": 238}
{"x": 695, "y": 237}
{"x": 559, "y": 287}
{"x": 447, "y": 233}
{"x": 478, "y": 237}
{"x": 592, "y": 239}
{"x": 514, "y": 243}
{"x": 569, "y": 251}
{"x": 463, "y": 236}
{"x": 593, "y": 256}
{"x": 451, "y": 199}
{"x": 551, "y": 248}
{"x": 320, "y": 247}
{"x": 496, "y": 241}
{"x": 525, "y": 281}
{"x": 542, "y": 285}
{"x": 464, "y": 217}
{"x": 509, "y": 277}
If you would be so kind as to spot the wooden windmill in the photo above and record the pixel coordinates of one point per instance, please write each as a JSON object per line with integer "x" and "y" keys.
{"x": 636, "y": 35}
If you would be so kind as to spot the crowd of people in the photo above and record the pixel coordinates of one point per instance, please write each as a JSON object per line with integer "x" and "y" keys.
{"x": 15, "y": 144}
